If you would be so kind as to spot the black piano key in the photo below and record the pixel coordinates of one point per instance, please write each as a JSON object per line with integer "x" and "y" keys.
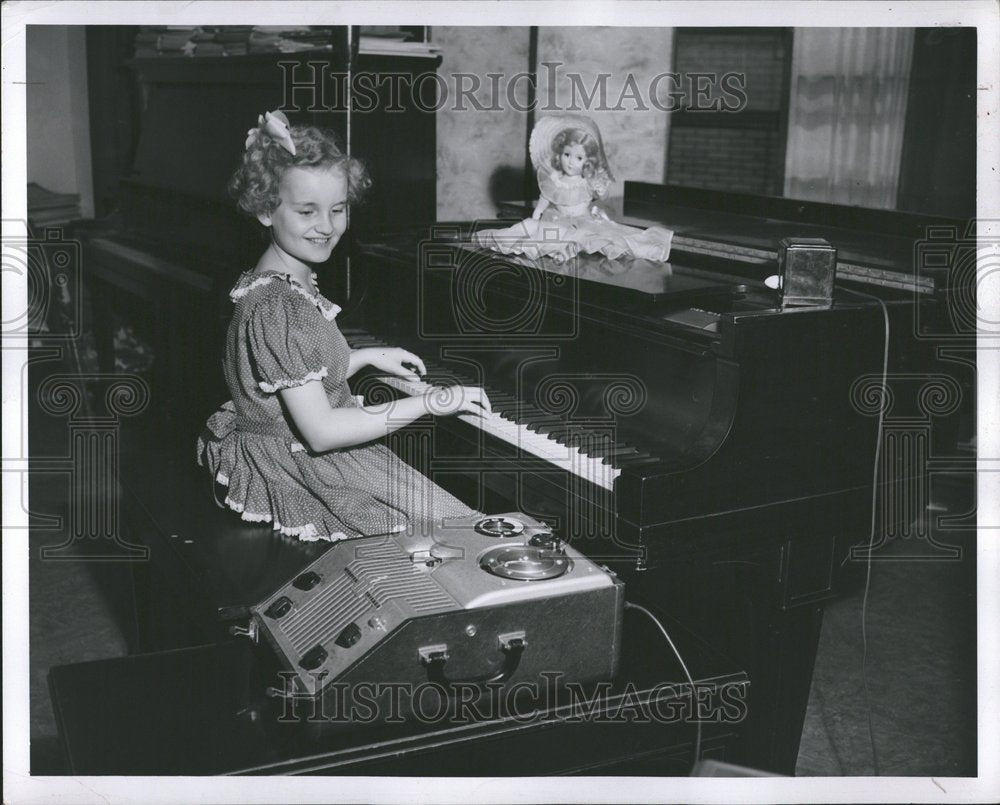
{"x": 600, "y": 443}
{"x": 581, "y": 436}
{"x": 626, "y": 449}
{"x": 563, "y": 433}
{"x": 532, "y": 420}
{"x": 534, "y": 428}
{"x": 525, "y": 411}
{"x": 586, "y": 441}
{"x": 440, "y": 378}
{"x": 629, "y": 452}
{"x": 618, "y": 456}
{"x": 516, "y": 414}
{"x": 553, "y": 429}
{"x": 541, "y": 413}
{"x": 574, "y": 437}
{"x": 506, "y": 407}
{"x": 600, "y": 448}
{"x": 620, "y": 450}
{"x": 634, "y": 461}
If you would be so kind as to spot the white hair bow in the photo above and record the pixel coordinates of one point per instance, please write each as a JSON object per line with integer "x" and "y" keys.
{"x": 275, "y": 125}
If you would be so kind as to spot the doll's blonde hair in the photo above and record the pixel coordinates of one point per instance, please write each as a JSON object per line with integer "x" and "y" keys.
{"x": 591, "y": 149}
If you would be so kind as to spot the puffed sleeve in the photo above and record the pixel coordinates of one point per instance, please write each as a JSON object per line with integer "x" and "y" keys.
{"x": 599, "y": 183}
{"x": 283, "y": 343}
{"x": 546, "y": 186}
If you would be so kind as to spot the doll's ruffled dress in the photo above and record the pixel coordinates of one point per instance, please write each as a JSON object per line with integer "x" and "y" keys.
{"x": 281, "y": 336}
{"x": 567, "y": 228}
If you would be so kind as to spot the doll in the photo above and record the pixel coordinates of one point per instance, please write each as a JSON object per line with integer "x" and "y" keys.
{"x": 572, "y": 172}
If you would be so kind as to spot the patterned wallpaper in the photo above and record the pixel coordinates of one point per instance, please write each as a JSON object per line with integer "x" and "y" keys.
{"x": 481, "y": 154}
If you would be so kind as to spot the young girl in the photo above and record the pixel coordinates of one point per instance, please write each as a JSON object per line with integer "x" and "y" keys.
{"x": 572, "y": 172}
{"x": 293, "y": 446}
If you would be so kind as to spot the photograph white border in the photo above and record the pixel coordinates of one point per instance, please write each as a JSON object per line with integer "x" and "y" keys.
{"x": 20, "y": 787}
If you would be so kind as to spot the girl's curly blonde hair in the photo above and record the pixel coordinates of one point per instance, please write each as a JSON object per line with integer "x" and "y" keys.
{"x": 256, "y": 182}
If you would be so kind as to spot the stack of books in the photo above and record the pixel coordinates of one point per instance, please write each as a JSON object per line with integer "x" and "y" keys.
{"x": 316, "y": 37}
{"x": 205, "y": 43}
{"x": 147, "y": 41}
{"x": 235, "y": 39}
{"x": 285, "y": 39}
{"x": 176, "y": 40}
{"x": 48, "y": 208}
{"x": 230, "y": 40}
{"x": 373, "y": 40}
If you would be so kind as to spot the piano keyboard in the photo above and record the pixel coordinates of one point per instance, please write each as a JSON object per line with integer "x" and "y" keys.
{"x": 592, "y": 456}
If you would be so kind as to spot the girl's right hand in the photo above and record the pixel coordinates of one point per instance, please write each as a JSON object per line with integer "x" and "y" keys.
{"x": 451, "y": 400}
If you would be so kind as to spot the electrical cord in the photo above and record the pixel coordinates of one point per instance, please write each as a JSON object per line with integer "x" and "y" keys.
{"x": 871, "y": 537}
{"x": 687, "y": 673}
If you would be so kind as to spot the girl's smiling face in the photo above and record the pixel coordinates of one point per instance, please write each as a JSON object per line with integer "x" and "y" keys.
{"x": 312, "y": 214}
{"x": 571, "y": 159}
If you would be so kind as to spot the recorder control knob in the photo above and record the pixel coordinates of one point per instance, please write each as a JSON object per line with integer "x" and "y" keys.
{"x": 348, "y": 636}
{"x": 547, "y": 540}
{"x": 306, "y": 581}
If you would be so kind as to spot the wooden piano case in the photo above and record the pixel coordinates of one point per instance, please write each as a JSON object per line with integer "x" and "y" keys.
{"x": 761, "y": 503}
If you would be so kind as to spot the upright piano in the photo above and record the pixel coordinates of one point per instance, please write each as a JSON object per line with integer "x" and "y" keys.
{"x": 675, "y": 422}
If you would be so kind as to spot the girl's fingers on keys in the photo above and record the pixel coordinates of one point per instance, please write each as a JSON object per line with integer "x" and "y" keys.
{"x": 484, "y": 401}
{"x": 416, "y": 362}
{"x": 474, "y": 400}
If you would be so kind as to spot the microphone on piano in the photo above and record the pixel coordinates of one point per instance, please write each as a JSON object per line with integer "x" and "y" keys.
{"x": 807, "y": 269}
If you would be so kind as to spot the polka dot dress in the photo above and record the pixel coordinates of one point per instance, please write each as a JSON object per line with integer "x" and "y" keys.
{"x": 282, "y": 336}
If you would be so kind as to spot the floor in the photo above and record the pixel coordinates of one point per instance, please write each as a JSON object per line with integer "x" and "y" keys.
{"x": 920, "y": 622}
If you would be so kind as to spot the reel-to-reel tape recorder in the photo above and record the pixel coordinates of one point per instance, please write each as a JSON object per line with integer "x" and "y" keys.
{"x": 497, "y": 600}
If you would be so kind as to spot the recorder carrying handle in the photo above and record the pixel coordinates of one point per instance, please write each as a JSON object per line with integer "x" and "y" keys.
{"x": 511, "y": 645}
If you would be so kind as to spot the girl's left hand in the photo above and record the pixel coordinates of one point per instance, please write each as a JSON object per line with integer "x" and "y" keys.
{"x": 396, "y": 361}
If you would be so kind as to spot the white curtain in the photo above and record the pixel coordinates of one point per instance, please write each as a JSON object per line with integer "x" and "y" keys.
{"x": 846, "y": 114}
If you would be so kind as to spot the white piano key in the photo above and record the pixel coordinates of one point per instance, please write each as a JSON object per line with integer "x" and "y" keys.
{"x": 565, "y": 457}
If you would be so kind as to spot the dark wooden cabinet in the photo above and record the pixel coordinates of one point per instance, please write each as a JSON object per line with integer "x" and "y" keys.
{"x": 397, "y": 139}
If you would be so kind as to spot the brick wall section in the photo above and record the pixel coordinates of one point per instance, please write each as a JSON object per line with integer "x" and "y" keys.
{"x": 736, "y": 160}
{"x": 733, "y": 159}
{"x": 759, "y": 55}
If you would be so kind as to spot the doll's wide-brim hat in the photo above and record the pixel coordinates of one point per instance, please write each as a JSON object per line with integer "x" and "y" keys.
{"x": 546, "y": 130}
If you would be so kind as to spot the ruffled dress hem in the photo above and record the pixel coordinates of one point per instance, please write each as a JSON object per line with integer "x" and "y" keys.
{"x": 306, "y": 533}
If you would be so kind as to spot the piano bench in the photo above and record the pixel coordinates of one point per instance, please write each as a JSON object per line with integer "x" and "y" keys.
{"x": 202, "y": 710}
{"x": 206, "y": 567}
